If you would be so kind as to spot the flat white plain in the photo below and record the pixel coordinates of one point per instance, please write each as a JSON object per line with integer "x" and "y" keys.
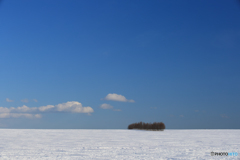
{"x": 117, "y": 144}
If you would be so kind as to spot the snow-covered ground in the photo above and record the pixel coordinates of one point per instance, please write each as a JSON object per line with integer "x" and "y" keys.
{"x": 117, "y": 144}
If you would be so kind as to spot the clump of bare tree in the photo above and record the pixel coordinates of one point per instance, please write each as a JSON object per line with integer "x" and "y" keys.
{"x": 147, "y": 126}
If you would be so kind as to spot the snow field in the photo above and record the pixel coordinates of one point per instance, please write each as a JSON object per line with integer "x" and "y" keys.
{"x": 117, "y": 144}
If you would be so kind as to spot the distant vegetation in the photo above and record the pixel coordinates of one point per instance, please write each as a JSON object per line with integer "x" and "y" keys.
{"x": 147, "y": 126}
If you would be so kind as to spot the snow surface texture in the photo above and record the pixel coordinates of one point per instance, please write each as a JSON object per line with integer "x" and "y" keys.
{"x": 117, "y": 144}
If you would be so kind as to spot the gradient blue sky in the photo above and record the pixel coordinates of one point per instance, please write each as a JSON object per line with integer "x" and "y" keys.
{"x": 178, "y": 60}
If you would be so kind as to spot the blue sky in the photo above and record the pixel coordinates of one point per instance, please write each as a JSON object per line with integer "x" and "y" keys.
{"x": 106, "y": 64}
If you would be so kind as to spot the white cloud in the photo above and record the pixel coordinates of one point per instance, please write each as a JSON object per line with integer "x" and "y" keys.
{"x": 26, "y": 112}
{"x": 45, "y": 108}
{"x": 118, "y": 110}
{"x": 25, "y": 100}
{"x": 181, "y": 116}
{"x": 19, "y": 115}
{"x": 35, "y": 100}
{"x": 73, "y": 106}
{"x": 117, "y": 97}
{"x": 25, "y": 108}
{"x": 9, "y": 100}
{"x": 106, "y": 106}
{"x": 4, "y": 110}
{"x": 17, "y": 110}
{"x": 38, "y": 116}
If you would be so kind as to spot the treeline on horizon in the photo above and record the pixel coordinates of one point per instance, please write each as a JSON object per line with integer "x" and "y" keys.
{"x": 147, "y": 126}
